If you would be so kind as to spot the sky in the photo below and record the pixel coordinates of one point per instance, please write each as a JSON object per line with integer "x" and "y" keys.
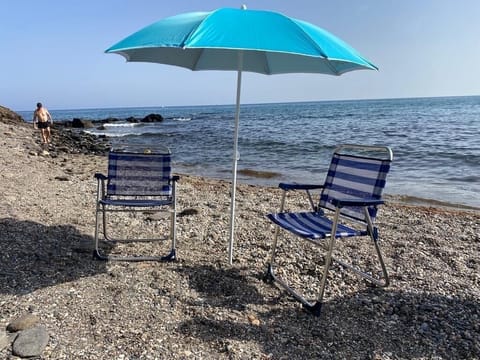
{"x": 53, "y": 51}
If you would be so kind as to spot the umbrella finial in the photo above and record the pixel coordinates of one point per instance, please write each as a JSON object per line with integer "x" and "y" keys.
{"x": 243, "y": 7}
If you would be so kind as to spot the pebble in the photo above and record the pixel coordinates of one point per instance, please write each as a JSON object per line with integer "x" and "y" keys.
{"x": 5, "y": 340}
{"x": 23, "y": 322}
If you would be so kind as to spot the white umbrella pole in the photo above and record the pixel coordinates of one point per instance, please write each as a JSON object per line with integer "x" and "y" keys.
{"x": 235, "y": 152}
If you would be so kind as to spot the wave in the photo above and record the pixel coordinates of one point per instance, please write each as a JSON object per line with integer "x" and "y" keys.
{"x": 124, "y": 134}
{"x": 109, "y": 135}
{"x": 468, "y": 179}
{"x": 120, "y": 125}
{"x": 182, "y": 119}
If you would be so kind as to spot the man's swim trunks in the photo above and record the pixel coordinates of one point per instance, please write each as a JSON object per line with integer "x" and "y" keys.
{"x": 43, "y": 124}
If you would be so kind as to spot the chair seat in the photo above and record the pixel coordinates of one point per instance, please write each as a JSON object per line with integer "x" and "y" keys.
{"x": 135, "y": 202}
{"x": 312, "y": 225}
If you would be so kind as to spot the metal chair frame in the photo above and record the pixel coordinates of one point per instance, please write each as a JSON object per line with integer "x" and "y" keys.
{"x": 158, "y": 198}
{"x": 328, "y": 238}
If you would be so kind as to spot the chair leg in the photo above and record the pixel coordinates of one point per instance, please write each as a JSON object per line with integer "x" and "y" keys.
{"x": 173, "y": 229}
{"x": 96, "y": 252}
{"x": 313, "y": 307}
{"x": 271, "y": 277}
{"x": 99, "y": 255}
{"x": 384, "y": 281}
{"x": 172, "y": 256}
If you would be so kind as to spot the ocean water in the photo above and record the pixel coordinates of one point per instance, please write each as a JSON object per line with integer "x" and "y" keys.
{"x": 435, "y": 141}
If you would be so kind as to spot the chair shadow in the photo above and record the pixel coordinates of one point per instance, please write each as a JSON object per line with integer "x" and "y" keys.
{"x": 34, "y": 256}
{"x": 371, "y": 323}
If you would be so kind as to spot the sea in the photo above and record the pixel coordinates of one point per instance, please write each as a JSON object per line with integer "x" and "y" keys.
{"x": 435, "y": 141}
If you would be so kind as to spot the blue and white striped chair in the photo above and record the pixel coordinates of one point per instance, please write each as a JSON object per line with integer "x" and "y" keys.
{"x": 350, "y": 195}
{"x": 138, "y": 181}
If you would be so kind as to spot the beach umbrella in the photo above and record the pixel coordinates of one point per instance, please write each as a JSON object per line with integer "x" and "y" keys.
{"x": 240, "y": 40}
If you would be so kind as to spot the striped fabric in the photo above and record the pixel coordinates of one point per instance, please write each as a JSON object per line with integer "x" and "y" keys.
{"x": 311, "y": 225}
{"x": 354, "y": 177}
{"x": 132, "y": 174}
{"x": 350, "y": 177}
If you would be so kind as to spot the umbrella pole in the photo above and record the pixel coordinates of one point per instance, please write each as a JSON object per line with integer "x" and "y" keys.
{"x": 235, "y": 158}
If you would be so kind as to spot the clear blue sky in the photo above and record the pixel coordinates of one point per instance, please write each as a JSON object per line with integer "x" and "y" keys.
{"x": 53, "y": 51}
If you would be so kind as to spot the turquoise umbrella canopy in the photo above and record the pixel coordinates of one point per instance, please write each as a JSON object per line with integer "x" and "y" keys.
{"x": 271, "y": 43}
{"x": 259, "y": 41}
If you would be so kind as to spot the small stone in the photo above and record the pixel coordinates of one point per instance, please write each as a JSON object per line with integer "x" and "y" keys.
{"x": 23, "y": 322}
{"x": 5, "y": 340}
{"x": 31, "y": 342}
{"x": 253, "y": 320}
{"x": 424, "y": 328}
{"x": 187, "y": 353}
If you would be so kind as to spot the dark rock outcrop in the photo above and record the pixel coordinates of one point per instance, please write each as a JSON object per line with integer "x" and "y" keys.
{"x": 82, "y": 124}
{"x": 86, "y": 124}
{"x": 68, "y": 137}
{"x": 65, "y": 138}
{"x": 153, "y": 118}
{"x": 10, "y": 117}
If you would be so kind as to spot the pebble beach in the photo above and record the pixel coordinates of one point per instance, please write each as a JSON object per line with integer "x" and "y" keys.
{"x": 199, "y": 306}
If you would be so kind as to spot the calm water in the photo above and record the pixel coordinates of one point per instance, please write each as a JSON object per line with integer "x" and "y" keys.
{"x": 435, "y": 141}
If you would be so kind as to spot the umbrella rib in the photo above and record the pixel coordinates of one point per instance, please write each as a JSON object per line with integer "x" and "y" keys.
{"x": 322, "y": 53}
{"x": 267, "y": 63}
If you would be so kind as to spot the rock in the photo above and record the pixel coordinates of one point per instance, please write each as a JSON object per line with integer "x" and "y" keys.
{"x": 188, "y": 212}
{"x": 153, "y": 118}
{"x": 23, "y": 322}
{"x": 253, "y": 320}
{"x": 31, "y": 342}
{"x": 5, "y": 340}
{"x": 82, "y": 124}
{"x": 62, "y": 178}
{"x": 10, "y": 117}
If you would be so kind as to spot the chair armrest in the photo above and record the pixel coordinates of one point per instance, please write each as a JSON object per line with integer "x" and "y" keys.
{"x": 100, "y": 176}
{"x": 357, "y": 202}
{"x": 293, "y": 186}
{"x": 175, "y": 178}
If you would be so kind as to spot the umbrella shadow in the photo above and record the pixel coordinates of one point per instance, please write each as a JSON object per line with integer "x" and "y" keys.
{"x": 225, "y": 288}
{"x": 34, "y": 256}
{"x": 371, "y": 324}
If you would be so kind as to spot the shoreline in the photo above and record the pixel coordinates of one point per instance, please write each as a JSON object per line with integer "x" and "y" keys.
{"x": 460, "y": 195}
{"x": 199, "y": 307}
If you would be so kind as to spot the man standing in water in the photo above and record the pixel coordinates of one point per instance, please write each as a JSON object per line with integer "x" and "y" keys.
{"x": 42, "y": 117}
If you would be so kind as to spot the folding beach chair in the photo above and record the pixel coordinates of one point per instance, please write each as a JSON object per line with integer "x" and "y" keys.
{"x": 347, "y": 207}
{"x": 140, "y": 183}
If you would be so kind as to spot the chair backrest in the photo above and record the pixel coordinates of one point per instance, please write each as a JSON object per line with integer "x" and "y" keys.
{"x": 356, "y": 172}
{"x": 146, "y": 173}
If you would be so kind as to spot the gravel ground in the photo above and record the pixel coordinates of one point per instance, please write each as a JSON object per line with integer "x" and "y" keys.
{"x": 199, "y": 307}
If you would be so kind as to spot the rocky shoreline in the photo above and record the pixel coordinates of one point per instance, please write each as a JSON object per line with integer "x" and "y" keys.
{"x": 199, "y": 307}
